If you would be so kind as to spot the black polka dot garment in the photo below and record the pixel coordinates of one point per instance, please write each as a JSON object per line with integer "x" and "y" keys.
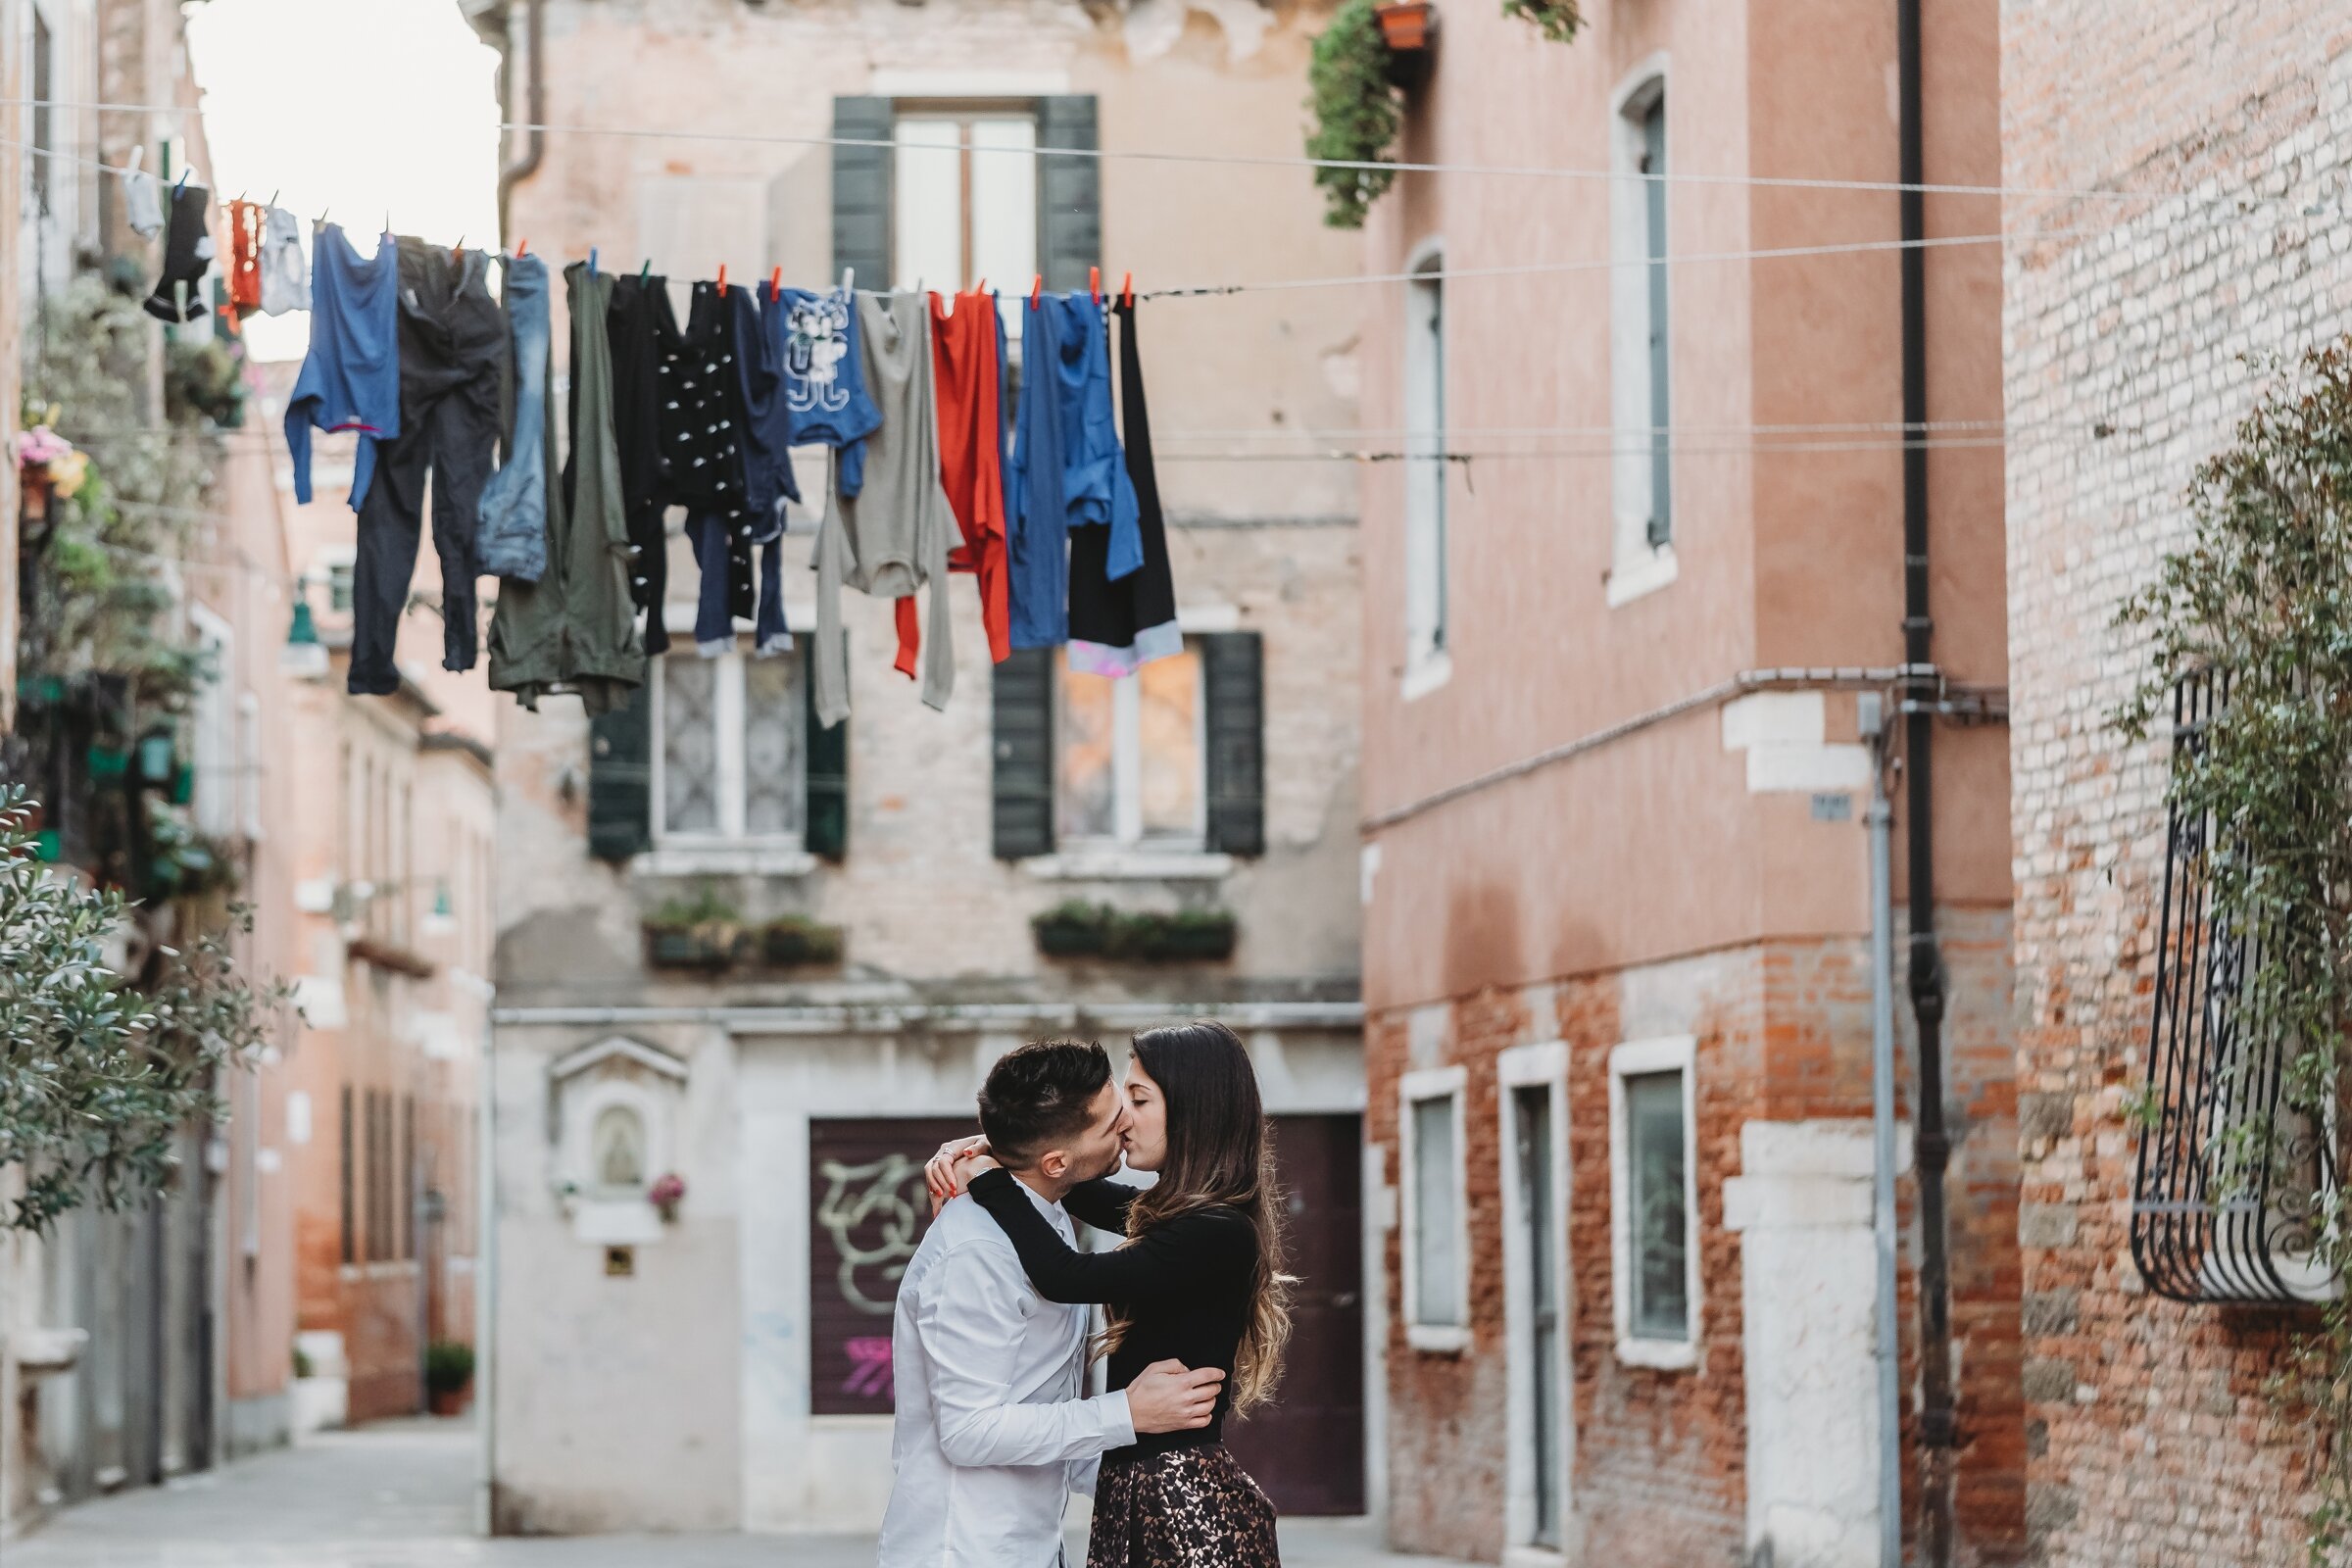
{"x": 702, "y": 424}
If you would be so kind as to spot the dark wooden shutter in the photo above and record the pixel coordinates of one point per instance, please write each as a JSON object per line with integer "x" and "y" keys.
{"x": 861, "y": 194}
{"x": 1232, "y": 675}
{"x": 1022, "y": 697}
{"x": 826, "y": 829}
{"x": 1069, "y": 193}
{"x": 621, "y": 775}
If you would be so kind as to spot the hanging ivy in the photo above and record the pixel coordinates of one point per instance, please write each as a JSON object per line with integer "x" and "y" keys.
{"x": 1357, "y": 114}
{"x": 1557, "y": 20}
{"x": 2261, "y": 596}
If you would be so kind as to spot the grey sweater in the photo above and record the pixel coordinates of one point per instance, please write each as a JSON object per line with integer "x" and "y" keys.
{"x": 892, "y": 536}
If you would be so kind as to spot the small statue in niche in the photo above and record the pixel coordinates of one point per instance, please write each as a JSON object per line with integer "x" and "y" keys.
{"x": 616, "y": 1149}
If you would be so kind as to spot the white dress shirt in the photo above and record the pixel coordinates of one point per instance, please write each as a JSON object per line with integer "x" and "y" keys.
{"x": 990, "y": 1435}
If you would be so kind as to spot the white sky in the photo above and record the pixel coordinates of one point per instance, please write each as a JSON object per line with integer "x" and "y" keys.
{"x": 357, "y": 108}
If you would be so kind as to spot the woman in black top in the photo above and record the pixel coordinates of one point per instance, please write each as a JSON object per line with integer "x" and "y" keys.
{"x": 1198, "y": 1280}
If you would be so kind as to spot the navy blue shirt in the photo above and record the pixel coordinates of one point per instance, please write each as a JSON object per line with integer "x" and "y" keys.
{"x": 350, "y": 379}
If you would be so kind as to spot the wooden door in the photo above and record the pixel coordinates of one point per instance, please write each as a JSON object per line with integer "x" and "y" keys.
{"x": 1307, "y": 1447}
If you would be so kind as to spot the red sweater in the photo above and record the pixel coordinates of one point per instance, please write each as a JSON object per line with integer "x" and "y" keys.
{"x": 963, "y": 361}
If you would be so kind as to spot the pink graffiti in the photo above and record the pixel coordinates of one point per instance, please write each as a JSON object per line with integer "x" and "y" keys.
{"x": 870, "y": 1368}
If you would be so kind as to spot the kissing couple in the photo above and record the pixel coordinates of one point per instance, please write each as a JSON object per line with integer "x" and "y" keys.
{"x": 990, "y": 1344}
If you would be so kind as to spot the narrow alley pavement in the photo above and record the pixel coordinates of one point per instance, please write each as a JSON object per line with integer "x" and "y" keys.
{"x": 399, "y": 1496}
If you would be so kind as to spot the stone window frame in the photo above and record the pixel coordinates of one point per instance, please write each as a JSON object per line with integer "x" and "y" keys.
{"x": 1634, "y": 1059}
{"x": 676, "y": 853}
{"x": 1414, "y": 1088}
{"x": 1541, "y": 1066}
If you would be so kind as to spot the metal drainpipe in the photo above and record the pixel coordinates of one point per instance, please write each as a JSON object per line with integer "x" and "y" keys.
{"x": 535, "y": 89}
{"x": 1932, "y": 1143}
{"x": 1872, "y": 717}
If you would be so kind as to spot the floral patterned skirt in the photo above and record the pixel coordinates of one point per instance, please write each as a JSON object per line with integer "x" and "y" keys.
{"x": 1186, "y": 1508}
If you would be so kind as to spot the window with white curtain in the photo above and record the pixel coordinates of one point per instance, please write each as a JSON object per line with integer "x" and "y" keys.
{"x": 965, "y": 200}
{"x": 1131, "y": 755}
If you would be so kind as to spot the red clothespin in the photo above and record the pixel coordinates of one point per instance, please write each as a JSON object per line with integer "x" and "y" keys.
{"x": 722, "y": 280}
{"x": 1127, "y": 291}
{"x": 775, "y": 285}
{"x": 457, "y": 253}
{"x": 520, "y": 246}
{"x": 980, "y": 287}
{"x": 1037, "y": 288}
{"x": 1094, "y": 283}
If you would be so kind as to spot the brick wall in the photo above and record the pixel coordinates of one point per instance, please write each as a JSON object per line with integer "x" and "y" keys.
{"x": 2150, "y": 1439}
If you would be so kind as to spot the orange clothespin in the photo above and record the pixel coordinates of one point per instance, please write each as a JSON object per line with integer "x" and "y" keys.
{"x": 520, "y": 246}
{"x": 1094, "y": 283}
{"x": 1127, "y": 290}
{"x": 1037, "y": 288}
{"x": 457, "y": 252}
{"x": 775, "y": 285}
{"x": 722, "y": 280}
{"x": 980, "y": 287}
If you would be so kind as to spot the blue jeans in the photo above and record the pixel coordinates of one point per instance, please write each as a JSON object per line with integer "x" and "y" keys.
{"x": 714, "y": 622}
{"x": 513, "y": 541}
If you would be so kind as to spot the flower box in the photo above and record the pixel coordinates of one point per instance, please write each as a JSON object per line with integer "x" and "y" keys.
{"x": 793, "y": 941}
{"x": 690, "y": 947}
{"x": 1081, "y": 930}
{"x": 1409, "y": 26}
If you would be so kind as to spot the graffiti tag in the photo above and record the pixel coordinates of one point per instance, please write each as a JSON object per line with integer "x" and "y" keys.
{"x": 872, "y": 1212}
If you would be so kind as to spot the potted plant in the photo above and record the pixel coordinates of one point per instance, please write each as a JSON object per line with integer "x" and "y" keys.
{"x": 1078, "y": 929}
{"x": 699, "y": 933}
{"x": 792, "y": 940}
{"x": 448, "y": 1374}
{"x": 1358, "y": 112}
{"x": 1073, "y": 929}
{"x": 1557, "y": 20}
{"x": 1407, "y": 27}
{"x": 666, "y": 1194}
{"x": 1185, "y": 935}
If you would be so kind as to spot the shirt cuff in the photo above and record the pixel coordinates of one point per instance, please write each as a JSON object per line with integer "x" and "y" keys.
{"x": 1118, "y": 1422}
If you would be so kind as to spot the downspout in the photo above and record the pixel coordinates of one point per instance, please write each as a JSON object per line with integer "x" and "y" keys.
{"x": 1933, "y": 1144}
{"x": 535, "y": 90}
{"x": 1871, "y": 716}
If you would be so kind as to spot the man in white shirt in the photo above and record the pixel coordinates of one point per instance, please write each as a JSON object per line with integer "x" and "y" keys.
{"x": 990, "y": 1435}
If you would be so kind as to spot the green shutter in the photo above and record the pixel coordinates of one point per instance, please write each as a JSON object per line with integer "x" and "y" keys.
{"x": 1232, "y": 675}
{"x": 620, "y": 777}
{"x": 826, "y": 829}
{"x": 861, "y": 191}
{"x": 1023, "y": 727}
{"x": 1069, "y": 193}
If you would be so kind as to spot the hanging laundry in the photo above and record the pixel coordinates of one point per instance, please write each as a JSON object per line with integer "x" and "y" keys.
{"x": 824, "y": 377}
{"x": 285, "y": 275}
{"x": 637, "y": 434}
{"x": 244, "y": 260}
{"x": 574, "y": 629}
{"x": 769, "y": 480}
{"x": 142, "y": 199}
{"x": 1119, "y": 625}
{"x": 892, "y": 536}
{"x": 1037, "y": 511}
{"x": 702, "y": 436}
{"x": 187, "y": 257}
{"x": 966, "y": 378}
{"x": 513, "y": 536}
{"x": 350, "y": 379}
{"x": 1097, "y": 488}
{"x": 453, "y": 347}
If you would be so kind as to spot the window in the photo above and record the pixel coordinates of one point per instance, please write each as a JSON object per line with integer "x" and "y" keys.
{"x": 213, "y": 726}
{"x": 44, "y": 122}
{"x": 406, "y": 1197}
{"x": 1436, "y": 1278}
{"x": 1653, "y": 1200}
{"x": 1641, "y": 343}
{"x": 350, "y": 1174}
{"x": 965, "y": 200}
{"x": 1130, "y": 754}
{"x": 249, "y": 763}
{"x": 728, "y": 763}
{"x": 339, "y": 576}
{"x": 1425, "y": 588}
{"x": 1532, "y": 1107}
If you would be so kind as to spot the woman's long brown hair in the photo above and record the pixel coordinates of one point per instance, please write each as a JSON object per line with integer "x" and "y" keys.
{"x": 1218, "y": 1156}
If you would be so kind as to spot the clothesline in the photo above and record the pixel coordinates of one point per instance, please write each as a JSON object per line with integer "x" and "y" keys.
{"x": 1278, "y": 161}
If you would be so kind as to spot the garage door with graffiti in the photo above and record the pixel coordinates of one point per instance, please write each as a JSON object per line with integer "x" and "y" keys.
{"x": 867, "y": 1214}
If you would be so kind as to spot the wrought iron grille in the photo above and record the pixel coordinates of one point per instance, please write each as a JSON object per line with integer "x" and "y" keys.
{"x": 2232, "y": 1181}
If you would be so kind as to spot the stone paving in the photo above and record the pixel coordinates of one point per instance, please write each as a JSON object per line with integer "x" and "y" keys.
{"x": 399, "y": 1495}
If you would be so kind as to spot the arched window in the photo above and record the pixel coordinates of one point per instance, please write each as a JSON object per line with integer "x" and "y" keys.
{"x": 1640, "y": 342}
{"x": 1426, "y": 611}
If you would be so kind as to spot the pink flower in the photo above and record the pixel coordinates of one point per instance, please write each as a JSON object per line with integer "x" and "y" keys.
{"x": 40, "y": 446}
{"x": 668, "y": 1192}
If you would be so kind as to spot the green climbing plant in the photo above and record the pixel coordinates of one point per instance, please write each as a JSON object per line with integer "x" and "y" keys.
{"x": 1557, "y": 20}
{"x": 1357, "y": 111}
{"x": 2260, "y": 595}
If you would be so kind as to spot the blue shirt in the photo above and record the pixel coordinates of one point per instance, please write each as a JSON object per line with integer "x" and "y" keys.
{"x": 350, "y": 380}
{"x": 767, "y": 477}
{"x": 1037, "y": 545}
{"x": 1098, "y": 488}
{"x": 824, "y": 377}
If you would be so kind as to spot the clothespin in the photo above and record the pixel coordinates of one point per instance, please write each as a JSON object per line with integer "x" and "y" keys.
{"x": 592, "y": 264}
{"x": 775, "y": 285}
{"x": 182, "y": 184}
{"x": 1094, "y": 283}
{"x": 646, "y": 271}
{"x": 1036, "y": 289}
{"x": 136, "y": 152}
{"x": 980, "y": 287}
{"x": 521, "y": 245}
{"x": 273, "y": 196}
{"x": 722, "y": 280}
{"x": 457, "y": 252}
{"x": 848, "y": 278}
{"x": 1127, "y": 290}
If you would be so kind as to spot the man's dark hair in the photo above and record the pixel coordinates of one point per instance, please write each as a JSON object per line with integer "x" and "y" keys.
{"x": 1038, "y": 1095}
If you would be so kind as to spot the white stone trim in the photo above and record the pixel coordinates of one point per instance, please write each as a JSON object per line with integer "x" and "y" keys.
{"x": 1016, "y": 1020}
{"x": 751, "y": 857}
{"x": 653, "y": 1059}
{"x": 985, "y": 85}
{"x": 1543, "y": 1065}
{"x": 1668, "y": 1053}
{"x": 1426, "y": 675}
{"x": 1412, "y": 1088}
{"x": 1785, "y": 738}
{"x": 1119, "y": 862}
{"x": 1642, "y": 572}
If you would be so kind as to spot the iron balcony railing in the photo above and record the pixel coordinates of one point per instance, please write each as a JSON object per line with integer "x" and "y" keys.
{"x": 2233, "y": 1181}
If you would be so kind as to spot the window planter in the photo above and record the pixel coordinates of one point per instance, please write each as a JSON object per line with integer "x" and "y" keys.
{"x": 1409, "y": 26}
{"x": 1080, "y": 930}
{"x": 701, "y": 933}
{"x": 793, "y": 940}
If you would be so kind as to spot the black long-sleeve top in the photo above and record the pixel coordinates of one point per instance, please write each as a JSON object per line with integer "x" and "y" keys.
{"x": 1184, "y": 1285}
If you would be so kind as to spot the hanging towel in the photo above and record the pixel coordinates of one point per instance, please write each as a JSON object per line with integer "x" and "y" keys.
{"x": 187, "y": 257}
{"x": 350, "y": 379}
{"x": 244, "y": 260}
{"x": 1098, "y": 489}
{"x": 637, "y": 433}
{"x": 574, "y": 629}
{"x": 1118, "y": 625}
{"x": 285, "y": 275}
{"x": 892, "y": 536}
{"x": 514, "y": 516}
{"x": 1037, "y": 536}
{"x": 142, "y": 199}
{"x": 824, "y": 378}
{"x": 963, "y": 360}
